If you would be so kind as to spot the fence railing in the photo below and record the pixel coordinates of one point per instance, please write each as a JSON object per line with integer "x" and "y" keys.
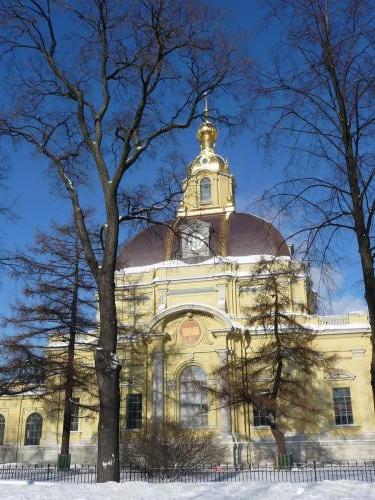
{"x": 334, "y": 319}
{"x": 301, "y": 472}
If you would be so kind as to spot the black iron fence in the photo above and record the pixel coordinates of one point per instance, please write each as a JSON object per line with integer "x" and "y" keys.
{"x": 302, "y": 472}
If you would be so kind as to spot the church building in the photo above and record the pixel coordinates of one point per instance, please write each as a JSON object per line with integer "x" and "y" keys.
{"x": 183, "y": 295}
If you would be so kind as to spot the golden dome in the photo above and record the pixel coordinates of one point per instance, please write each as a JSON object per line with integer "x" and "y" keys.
{"x": 208, "y": 160}
{"x": 207, "y": 135}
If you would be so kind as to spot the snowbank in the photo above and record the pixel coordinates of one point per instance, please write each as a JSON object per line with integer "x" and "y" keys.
{"x": 326, "y": 490}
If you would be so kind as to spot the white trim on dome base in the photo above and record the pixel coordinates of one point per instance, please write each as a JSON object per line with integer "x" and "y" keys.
{"x": 217, "y": 259}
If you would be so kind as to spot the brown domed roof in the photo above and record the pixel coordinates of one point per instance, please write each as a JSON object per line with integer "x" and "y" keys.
{"x": 251, "y": 235}
{"x": 240, "y": 235}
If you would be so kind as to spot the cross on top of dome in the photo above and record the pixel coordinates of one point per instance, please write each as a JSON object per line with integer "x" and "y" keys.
{"x": 207, "y": 159}
{"x": 207, "y": 132}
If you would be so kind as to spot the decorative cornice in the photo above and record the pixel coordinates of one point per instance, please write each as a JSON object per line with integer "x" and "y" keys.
{"x": 340, "y": 375}
{"x": 227, "y": 320}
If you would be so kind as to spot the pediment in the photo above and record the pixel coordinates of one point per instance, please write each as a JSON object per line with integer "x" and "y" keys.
{"x": 339, "y": 374}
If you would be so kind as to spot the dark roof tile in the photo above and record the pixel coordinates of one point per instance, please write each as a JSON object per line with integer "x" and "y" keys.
{"x": 247, "y": 235}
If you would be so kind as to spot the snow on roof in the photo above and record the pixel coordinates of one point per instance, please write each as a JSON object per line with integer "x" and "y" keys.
{"x": 243, "y": 259}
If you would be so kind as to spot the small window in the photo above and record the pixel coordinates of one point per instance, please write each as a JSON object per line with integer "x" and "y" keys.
{"x": 193, "y": 397}
{"x": 342, "y": 404}
{"x": 74, "y": 416}
{"x": 33, "y": 431}
{"x": 205, "y": 190}
{"x": 134, "y": 411}
{"x": 260, "y": 419}
{"x": 2, "y": 429}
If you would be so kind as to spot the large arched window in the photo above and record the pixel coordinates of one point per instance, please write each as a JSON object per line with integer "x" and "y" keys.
{"x": 193, "y": 397}
{"x": 205, "y": 190}
{"x": 2, "y": 429}
{"x": 33, "y": 431}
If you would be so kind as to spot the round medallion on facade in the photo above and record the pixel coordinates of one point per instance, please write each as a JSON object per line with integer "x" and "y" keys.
{"x": 190, "y": 332}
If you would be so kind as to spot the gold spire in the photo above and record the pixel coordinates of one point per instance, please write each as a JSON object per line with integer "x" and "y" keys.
{"x": 207, "y": 132}
{"x": 208, "y": 188}
{"x": 206, "y": 108}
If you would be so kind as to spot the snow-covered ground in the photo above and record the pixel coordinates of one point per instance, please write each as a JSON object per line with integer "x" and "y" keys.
{"x": 325, "y": 490}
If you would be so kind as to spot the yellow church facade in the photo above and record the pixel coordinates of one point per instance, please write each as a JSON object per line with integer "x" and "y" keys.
{"x": 183, "y": 292}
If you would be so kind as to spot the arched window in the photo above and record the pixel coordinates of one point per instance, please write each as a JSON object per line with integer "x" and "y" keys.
{"x": 33, "y": 431}
{"x": 193, "y": 397}
{"x": 2, "y": 429}
{"x": 205, "y": 189}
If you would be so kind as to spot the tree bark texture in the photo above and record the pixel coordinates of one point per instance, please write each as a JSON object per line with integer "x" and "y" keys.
{"x": 108, "y": 370}
{"x": 69, "y": 379}
{"x": 279, "y": 439}
{"x": 65, "y": 438}
{"x": 358, "y": 212}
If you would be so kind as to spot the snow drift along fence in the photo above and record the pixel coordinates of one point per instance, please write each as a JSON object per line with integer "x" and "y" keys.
{"x": 303, "y": 472}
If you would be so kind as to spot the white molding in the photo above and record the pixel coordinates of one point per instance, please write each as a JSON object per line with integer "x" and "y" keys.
{"x": 175, "y": 264}
{"x": 190, "y": 308}
{"x": 338, "y": 374}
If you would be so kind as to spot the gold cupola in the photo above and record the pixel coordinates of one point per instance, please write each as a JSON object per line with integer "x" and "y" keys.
{"x": 207, "y": 135}
{"x": 208, "y": 188}
{"x": 207, "y": 159}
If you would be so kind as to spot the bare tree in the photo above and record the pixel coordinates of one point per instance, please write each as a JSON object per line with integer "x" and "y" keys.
{"x": 273, "y": 371}
{"x": 93, "y": 86}
{"x": 50, "y": 323}
{"x": 321, "y": 97}
{"x": 6, "y": 215}
{"x": 170, "y": 448}
{"x": 20, "y": 372}
{"x": 3, "y": 205}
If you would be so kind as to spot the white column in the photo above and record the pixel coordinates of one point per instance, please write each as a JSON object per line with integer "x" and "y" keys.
{"x": 225, "y": 423}
{"x": 158, "y": 387}
{"x": 221, "y": 298}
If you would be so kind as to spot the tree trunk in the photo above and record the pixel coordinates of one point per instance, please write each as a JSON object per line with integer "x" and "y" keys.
{"x": 357, "y": 197}
{"x": 364, "y": 248}
{"x": 69, "y": 382}
{"x": 364, "y": 243}
{"x": 279, "y": 439}
{"x": 69, "y": 379}
{"x": 365, "y": 252}
{"x": 372, "y": 324}
{"x": 363, "y": 238}
{"x": 108, "y": 370}
{"x": 276, "y": 388}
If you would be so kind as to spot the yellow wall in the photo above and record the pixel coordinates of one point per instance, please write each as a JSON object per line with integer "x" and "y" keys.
{"x": 154, "y": 302}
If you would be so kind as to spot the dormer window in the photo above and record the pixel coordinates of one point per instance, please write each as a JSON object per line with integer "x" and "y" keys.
{"x": 205, "y": 190}
{"x": 195, "y": 239}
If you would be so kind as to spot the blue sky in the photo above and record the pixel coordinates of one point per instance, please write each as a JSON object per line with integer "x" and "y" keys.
{"x": 36, "y": 204}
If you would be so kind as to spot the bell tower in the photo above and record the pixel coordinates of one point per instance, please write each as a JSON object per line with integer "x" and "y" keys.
{"x": 209, "y": 187}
